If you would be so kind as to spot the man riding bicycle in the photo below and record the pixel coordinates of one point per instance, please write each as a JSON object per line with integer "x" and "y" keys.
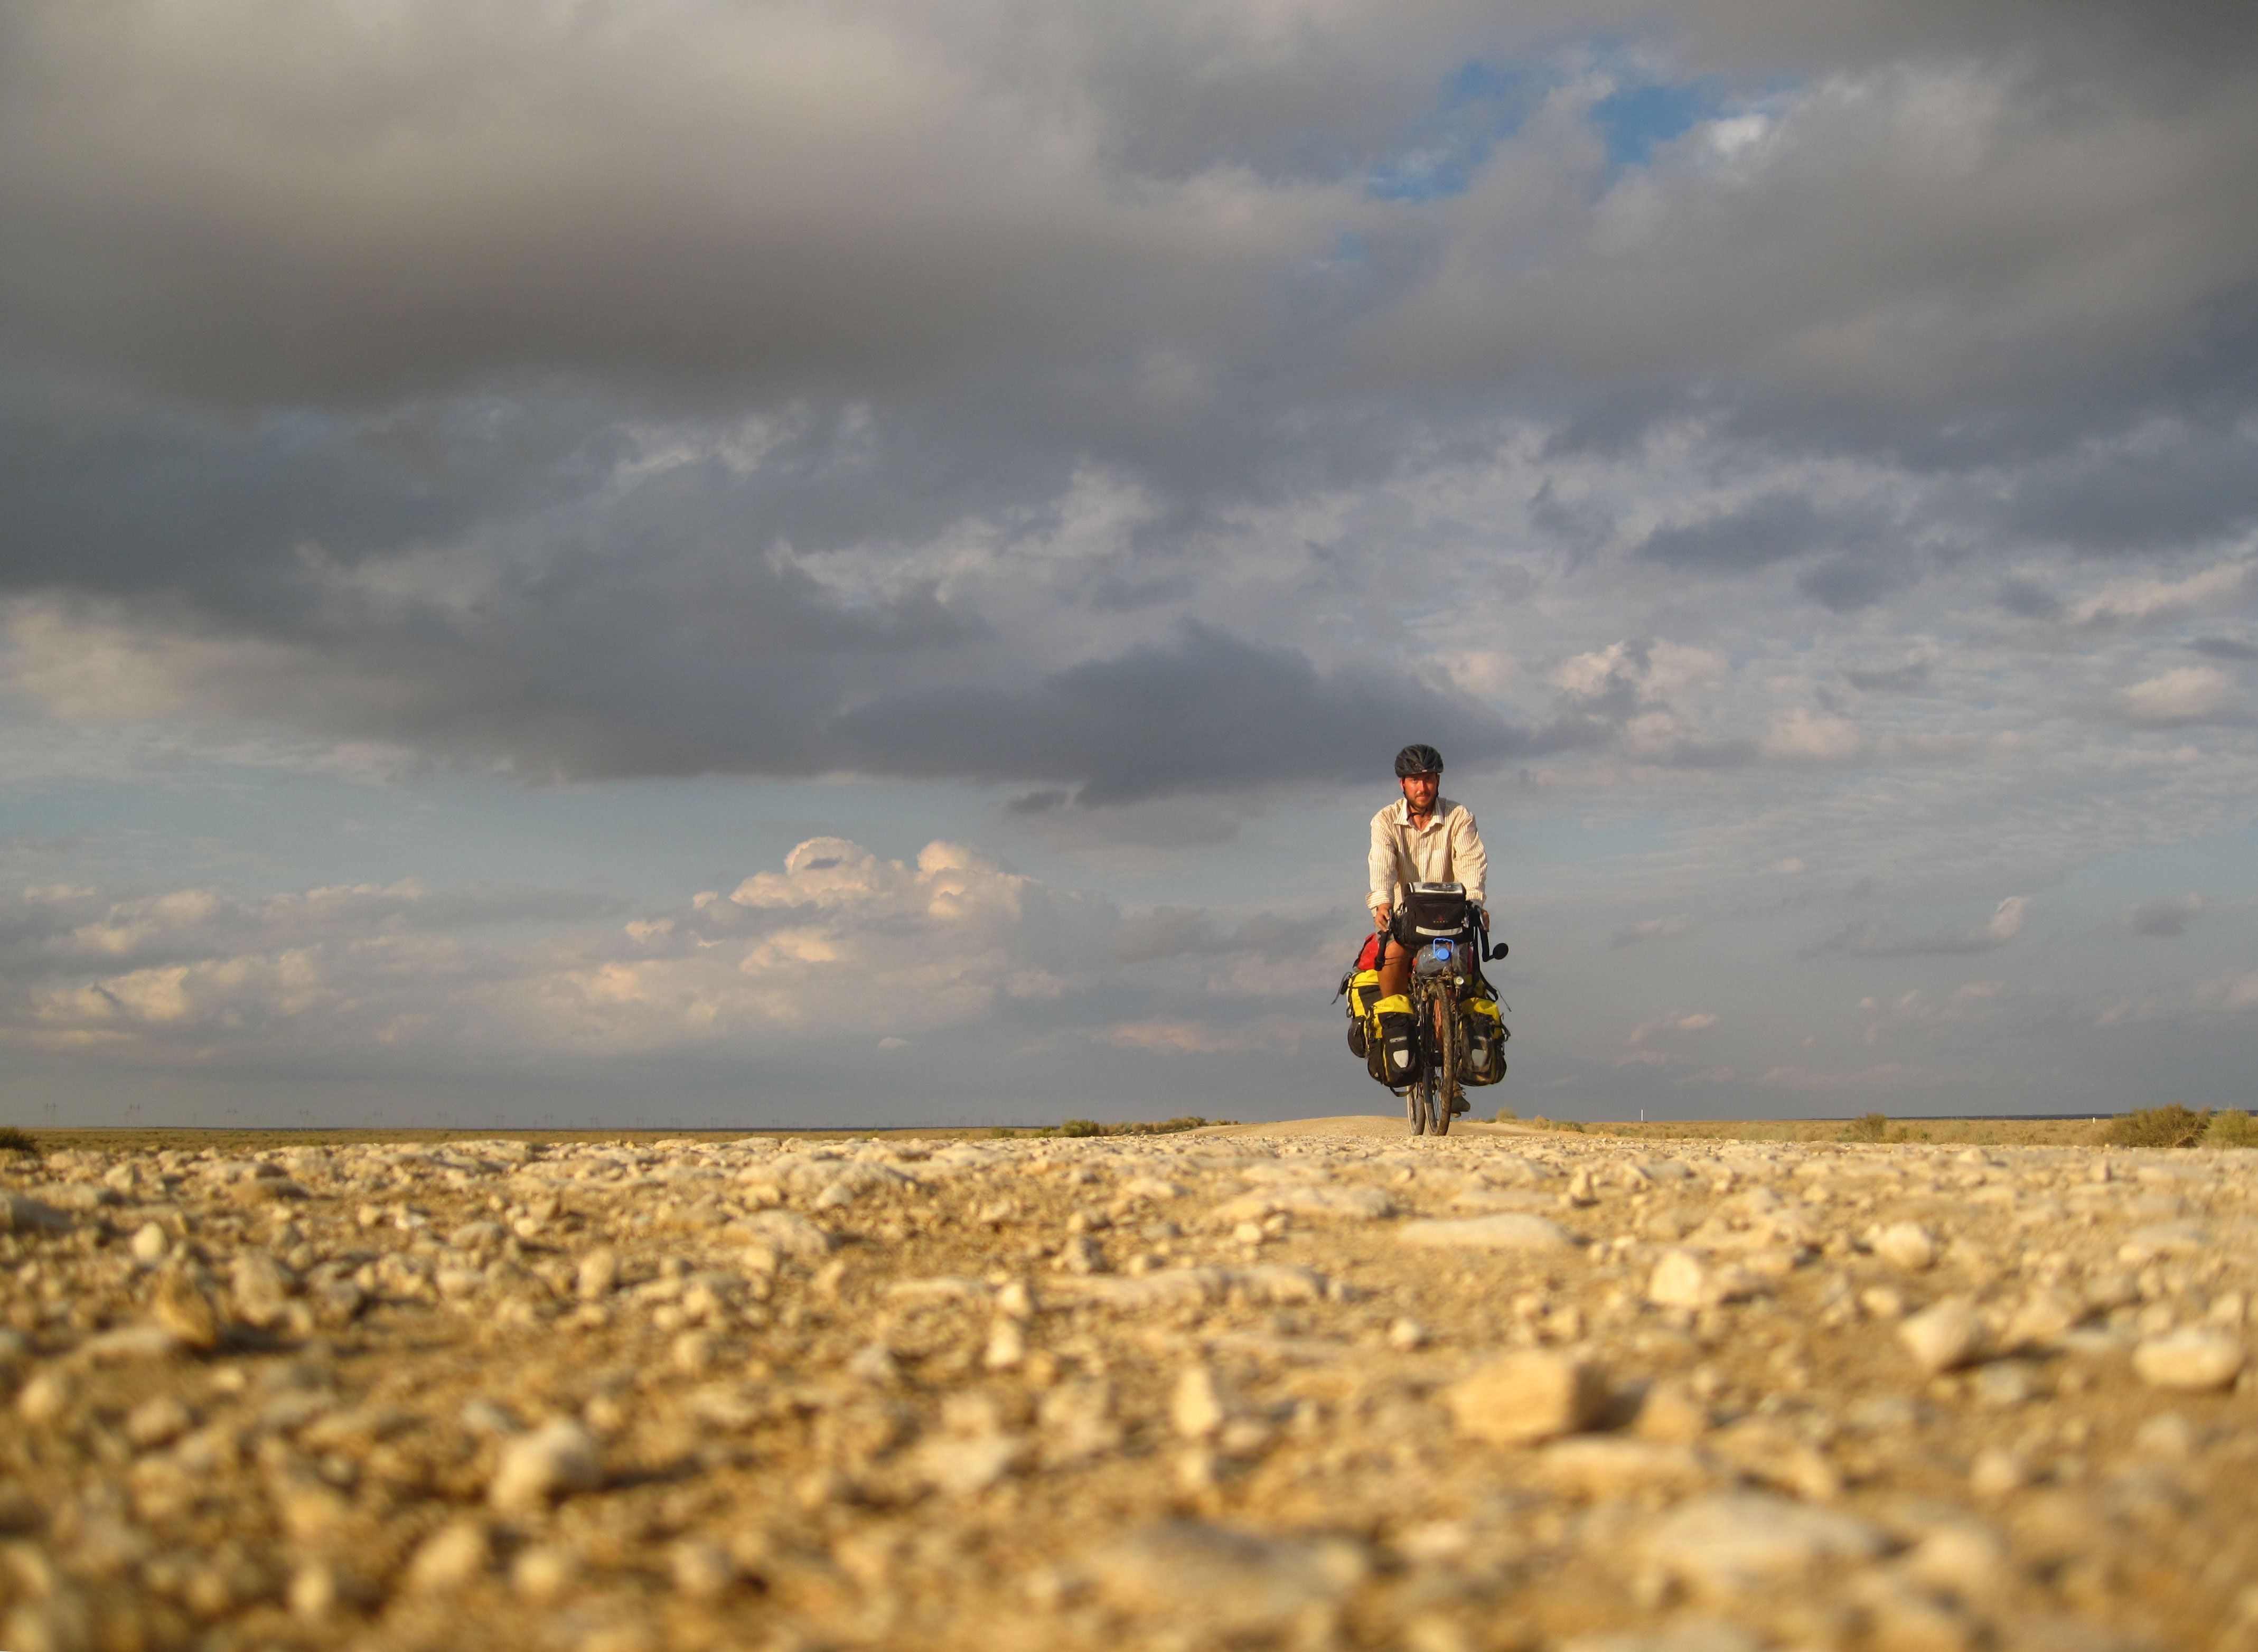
{"x": 1421, "y": 838}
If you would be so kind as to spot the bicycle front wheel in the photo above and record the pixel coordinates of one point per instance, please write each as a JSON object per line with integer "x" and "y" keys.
{"x": 1443, "y": 1077}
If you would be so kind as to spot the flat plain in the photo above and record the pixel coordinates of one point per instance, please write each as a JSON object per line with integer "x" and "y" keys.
{"x": 1310, "y": 1387}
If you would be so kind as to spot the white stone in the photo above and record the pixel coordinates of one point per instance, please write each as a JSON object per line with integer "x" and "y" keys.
{"x": 961, "y": 1464}
{"x": 597, "y": 1276}
{"x": 1605, "y": 1466}
{"x": 1200, "y": 1404}
{"x": 1226, "y": 1582}
{"x": 1507, "y": 1230}
{"x": 1740, "y": 1544}
{"x": 157, "y": 1421}
{"x": 1007, "y": 1344}
{"x": 555, "y": 1459}
{"x": 1679, "y": 1280}
{"x": 149, "y": 1243}
{"x": 454, "y": 1556}
{"x": 543, "y": 1572}
{"x": 1907, "y": 1245}
{"x": 261, "y": 1286}
{"x": 702, "y": 1569}
{"x": 44, "y": 1399}
{"x": 1943, "y": 1337}
{"x": 1996, "y": 1473}
{"x": 2194, "y": 1359}
{"x": 1526, "y": 1397}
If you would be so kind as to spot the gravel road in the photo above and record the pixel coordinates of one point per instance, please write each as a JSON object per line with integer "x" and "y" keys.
{"x": 1310, "y": 1388}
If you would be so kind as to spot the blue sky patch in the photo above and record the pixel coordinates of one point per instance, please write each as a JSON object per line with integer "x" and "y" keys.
{"x": 1481, "y": 103}
{"x": 1636, "y": 118}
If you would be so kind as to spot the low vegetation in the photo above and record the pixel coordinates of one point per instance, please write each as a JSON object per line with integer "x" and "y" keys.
{"x": 1078, "y": 1127}
{"x": 13, "y": 1140}
{"x": 2177, "y": 1126}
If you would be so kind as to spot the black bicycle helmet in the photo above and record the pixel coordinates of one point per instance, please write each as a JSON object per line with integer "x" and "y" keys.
{"x": 1419, "y": 760}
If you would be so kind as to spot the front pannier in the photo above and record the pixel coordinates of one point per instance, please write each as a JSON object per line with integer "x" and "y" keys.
{"x": 1486, "y": 1037}
{"x": 1398, "y": 1045}
{"x": 1435, "y": 909}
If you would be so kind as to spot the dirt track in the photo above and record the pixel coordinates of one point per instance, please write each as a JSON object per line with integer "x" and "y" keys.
{"x": 1242, "y": 1387}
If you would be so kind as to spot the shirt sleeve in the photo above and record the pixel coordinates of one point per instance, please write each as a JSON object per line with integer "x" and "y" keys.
{"x": 1468, "y": 858}
{"x": 1380, "y": 863}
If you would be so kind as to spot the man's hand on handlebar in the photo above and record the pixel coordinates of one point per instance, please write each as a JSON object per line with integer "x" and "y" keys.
{"x": 1379, "y": 918}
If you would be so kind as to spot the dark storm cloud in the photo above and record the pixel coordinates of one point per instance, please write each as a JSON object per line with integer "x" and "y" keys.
{"x": 1846, "y": 583}
{"x": 1765, "y": 530}
{"x": 335, "y": 350}
{"x": 2166, "y": 917}
{"x": 1207, "y": 712}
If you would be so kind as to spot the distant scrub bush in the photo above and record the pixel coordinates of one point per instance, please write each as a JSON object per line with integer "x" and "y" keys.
{"x": 2168, "y": 1126}
{"x": 1506, "y": 1116}
{"x": 2231, "y": 1128}
{"x": 1869, "y": 1127}
{"x": 13, "y": 1140}
{"x": 1543, "y": 1123}
{"x": 1076, "y": 1127}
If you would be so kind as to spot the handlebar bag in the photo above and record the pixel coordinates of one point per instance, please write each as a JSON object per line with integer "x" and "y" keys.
{"x": 1435, "y": 909}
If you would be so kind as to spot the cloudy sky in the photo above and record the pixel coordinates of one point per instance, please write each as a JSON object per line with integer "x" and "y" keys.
{"x": 729, "y": 560}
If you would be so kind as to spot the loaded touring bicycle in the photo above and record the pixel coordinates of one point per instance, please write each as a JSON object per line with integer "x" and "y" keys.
{"x": 1446, "y": 1033}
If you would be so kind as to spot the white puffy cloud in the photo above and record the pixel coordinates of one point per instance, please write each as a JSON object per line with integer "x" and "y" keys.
{"x": 2184, "y": 694}
{"x": 838, "y": 943}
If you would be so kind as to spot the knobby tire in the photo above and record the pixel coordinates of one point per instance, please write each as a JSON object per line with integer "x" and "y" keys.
{"x": 1443, "y": 1081}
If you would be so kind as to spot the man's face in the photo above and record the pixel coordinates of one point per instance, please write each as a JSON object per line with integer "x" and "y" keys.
{"x": 1419, "y": 791}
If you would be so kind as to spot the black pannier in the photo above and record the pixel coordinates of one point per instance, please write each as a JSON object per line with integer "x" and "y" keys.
{"x": 1435, "y": 909}
{"x": 1395, "y": 1053}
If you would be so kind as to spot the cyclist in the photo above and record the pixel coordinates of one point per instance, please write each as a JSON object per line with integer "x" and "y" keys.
{"x": 1421, "y": 838}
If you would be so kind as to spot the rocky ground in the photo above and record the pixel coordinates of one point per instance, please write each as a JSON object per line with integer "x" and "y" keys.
{"x": 1331, "y": 1389}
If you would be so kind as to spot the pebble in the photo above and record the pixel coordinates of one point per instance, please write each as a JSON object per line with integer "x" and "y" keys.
{"x": 963, "y": 1464}
{"x": 858, "y": 1423}
{"x": 1943, "y": 1337}
{"x": 1667, "y": 1412}
{"x": 1707, "y": 1634}
{"x": 2194, "y": 1359}
{"x": 2008, "y": 1382}
{"x": 19, "y": 1214}
{"x": 2045, "y": 1317}
{"x": 1507, "y": 1230}
{"x": 457, "y": 1554}
{"x": 1907, "y": 1245}
{"x": 260, "y": 1287}
{"x": 701, "y": 1568}
{"x": 597, "y": 1276}
{"x": 1523, "y": 1398}
{"x": 554, "y": 1460}
{"x": 1737, "y": 1544}
{"x": 158, "y": 1422}
{"x": 1996, "y": 1472}
{"x": 45, "y": 1397}
{"x": 1007, "y": 1344}
{"x": 543, "y": 1572}
{"x": 1681, "y": 1280}
{"x": 1200, "y": 1404}
{"x": 180, "y": 1304}
{"x": 1228, "y": 1583}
